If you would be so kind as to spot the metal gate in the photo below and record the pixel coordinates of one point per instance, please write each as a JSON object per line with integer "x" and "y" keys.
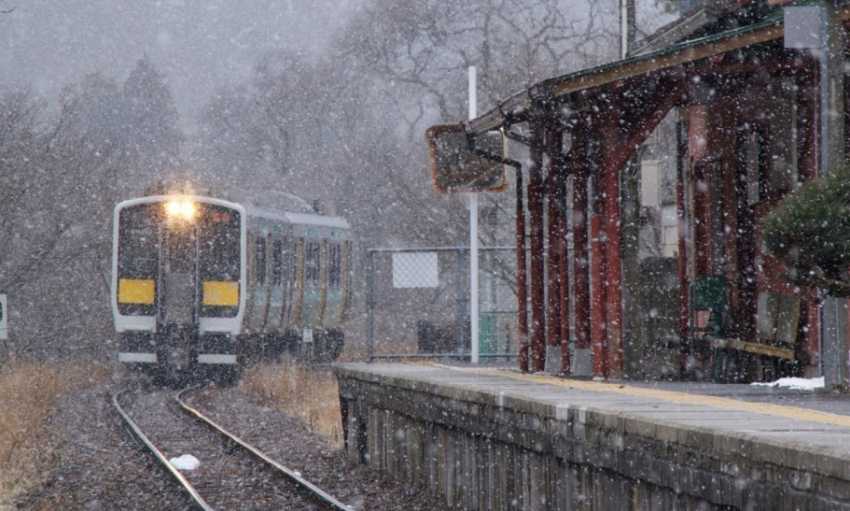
{"x": 418, "y": 302}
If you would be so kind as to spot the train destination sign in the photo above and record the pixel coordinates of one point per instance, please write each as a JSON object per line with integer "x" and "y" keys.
{"x": 457, "y": 166}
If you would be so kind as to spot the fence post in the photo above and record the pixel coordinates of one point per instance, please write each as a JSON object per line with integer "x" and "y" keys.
{"x": 462, "y": 308}
{"x": 370, "y": 304}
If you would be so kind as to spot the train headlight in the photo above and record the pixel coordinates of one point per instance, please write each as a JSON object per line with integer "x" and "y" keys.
{"x": 181, "y": 210}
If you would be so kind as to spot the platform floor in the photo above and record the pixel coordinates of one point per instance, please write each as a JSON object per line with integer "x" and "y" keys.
{"x": 815, "y": 420}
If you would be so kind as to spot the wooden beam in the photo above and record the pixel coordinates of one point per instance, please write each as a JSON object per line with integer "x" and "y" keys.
{"x": 753, "y": 347}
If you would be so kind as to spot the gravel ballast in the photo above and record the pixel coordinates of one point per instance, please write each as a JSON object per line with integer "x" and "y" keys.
{"x": 91, "y": 463}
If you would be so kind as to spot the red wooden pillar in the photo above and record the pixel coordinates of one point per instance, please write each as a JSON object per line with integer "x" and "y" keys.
{"x": 521, "y": 275}
{"x": 598, "y": 261}
{"x": 553, "y": 265}
{"x": 581, "y": 257}
{"x": 701, "y": 217}
{"x": 613, "y": 243}
{"x": 535, "y": 211}
{"x": 597, "y": 293}
{"x": 557, "y": 313}
{"x": 684, "y": 311}
{"x": 563, "y": 275}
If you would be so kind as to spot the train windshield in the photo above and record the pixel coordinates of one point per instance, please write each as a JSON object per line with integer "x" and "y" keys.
{"x": 205, "y": 246}
{"x": 138, "y": 259}
{"x": 219, "y": 260}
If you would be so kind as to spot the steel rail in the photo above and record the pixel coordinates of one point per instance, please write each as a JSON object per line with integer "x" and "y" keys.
{"x": 187, "y": 486}
{"x": 317, "y": 493}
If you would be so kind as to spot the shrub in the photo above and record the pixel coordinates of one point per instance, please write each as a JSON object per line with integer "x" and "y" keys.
{"x": 810, "y": 233}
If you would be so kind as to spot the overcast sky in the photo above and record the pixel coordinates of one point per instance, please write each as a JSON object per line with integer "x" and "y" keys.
{"x": 198, "y": 44}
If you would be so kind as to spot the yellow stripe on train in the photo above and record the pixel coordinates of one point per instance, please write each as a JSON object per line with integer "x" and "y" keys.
{"x": 225, "y": 294}
{"x": 139, "y": 291}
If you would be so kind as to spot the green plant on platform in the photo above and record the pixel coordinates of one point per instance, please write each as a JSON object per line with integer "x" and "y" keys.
{"x": 810, "y": 233}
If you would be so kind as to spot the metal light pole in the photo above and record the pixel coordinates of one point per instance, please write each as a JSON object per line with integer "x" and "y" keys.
{"x": 473, "y": 236}
{"x": 833, "y": 310}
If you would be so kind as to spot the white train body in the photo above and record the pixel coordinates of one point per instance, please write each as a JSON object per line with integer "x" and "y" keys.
{"x": 202, "y": 281}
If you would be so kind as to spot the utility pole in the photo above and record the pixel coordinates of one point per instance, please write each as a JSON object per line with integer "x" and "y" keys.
{"x": 473, "y": 235}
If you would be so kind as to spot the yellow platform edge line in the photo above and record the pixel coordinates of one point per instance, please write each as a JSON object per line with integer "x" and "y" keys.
{"x": 790, "y": 412}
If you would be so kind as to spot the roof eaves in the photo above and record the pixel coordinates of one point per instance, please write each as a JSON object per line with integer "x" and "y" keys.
{"x": 518, "y": 105}
{"x": 675, "y": 31}
{"x": 687, "y": 51}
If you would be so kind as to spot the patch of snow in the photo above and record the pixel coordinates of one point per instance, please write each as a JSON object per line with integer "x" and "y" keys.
{"x": 795, "y": 383}
{"x": 185, "y": 462}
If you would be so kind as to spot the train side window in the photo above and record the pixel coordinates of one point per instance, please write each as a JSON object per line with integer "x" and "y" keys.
{"x": 313, "y": 266}
{"x": 286, "y": 260}
{"x": 334, "y": 265}
{"x": 298, "y": 253}
{"x": 260, "y": 260}
{"x": 277, "y": 262}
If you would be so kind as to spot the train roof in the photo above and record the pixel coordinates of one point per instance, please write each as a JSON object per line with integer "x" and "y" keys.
{"x": 250, "y": 210}
{"x": 159, "y": 198}
{"x": 300, "y": 218}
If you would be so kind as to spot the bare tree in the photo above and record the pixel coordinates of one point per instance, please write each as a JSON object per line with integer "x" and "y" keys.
{"x": 61, "y": 172}
{"x": 348, "y": 129}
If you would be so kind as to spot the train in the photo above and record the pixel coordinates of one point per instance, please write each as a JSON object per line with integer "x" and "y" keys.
{"x": 202, "y": 285}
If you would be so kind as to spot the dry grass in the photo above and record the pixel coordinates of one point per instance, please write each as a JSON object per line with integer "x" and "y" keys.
{"x": 28, "y": 394}
{"x": 307, "y": 393}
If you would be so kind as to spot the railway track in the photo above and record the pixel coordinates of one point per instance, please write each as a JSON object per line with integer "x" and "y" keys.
{"x": 232, "y": 474}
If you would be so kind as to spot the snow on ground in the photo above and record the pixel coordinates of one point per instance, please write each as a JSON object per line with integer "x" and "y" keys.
{"x": 185, "y": 462}
{"x": 795, "y": 383}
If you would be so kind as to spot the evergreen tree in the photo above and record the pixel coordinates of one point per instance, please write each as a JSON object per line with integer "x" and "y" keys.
{"x": 150, "y": 119}
{"x": 810, "y": 233}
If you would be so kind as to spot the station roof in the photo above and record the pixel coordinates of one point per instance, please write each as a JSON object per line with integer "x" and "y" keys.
{"x": 767, "y": 26}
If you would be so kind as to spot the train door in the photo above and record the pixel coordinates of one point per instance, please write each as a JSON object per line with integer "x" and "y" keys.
{"x": 276, "y": 301}
{"x": 312, "y": 296}
{"x": 334, "y": 284}
{"x": 290, "y": 280}
{"x": 298, "y": 278}
{"x": 258, "y": 282}
{"x": 177, "y": 318}
{"x": 179, "y": 277}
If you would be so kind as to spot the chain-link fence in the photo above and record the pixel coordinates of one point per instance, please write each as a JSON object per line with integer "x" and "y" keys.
{"x": 418, "y": 302}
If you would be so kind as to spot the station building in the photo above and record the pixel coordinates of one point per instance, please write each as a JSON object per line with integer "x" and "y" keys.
{"x": 640, "y": 211}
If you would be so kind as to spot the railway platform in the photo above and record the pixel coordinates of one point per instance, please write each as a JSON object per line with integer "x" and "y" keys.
{"x": 496, "y": 438}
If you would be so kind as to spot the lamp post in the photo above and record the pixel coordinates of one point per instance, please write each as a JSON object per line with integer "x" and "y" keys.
{"x": 833, "y": 310}
{"x": 473, "y": 236}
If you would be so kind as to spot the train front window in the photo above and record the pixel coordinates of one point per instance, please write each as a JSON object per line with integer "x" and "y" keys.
{"x": 138, "y": 260}
{"x": 219, "y": 260}
{"x": 138, "y": 242}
